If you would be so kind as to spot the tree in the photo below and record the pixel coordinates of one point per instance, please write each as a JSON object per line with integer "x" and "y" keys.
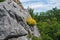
{"x": 31, "y": 12}
{"x": 48, "y": 24}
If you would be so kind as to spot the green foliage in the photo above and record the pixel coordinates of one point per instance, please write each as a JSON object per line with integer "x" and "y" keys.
{"x": 34, "y": 38}
{"x": 2, "y": 0}
{"x": 31, "y": 12}
{"x": 29, "y": 35}
{"x": 48, "y": 24}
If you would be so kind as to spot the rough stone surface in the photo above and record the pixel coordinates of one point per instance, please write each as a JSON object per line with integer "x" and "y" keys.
{"x": 13, "y": 24}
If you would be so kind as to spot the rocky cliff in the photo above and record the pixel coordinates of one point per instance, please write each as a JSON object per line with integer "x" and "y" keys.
{"x": 13, "y": 24}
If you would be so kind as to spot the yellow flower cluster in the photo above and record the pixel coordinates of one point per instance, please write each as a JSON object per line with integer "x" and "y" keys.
{"x": 30, "y": 21}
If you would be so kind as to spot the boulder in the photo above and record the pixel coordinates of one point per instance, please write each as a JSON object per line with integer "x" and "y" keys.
{"x": 13, "y": 24}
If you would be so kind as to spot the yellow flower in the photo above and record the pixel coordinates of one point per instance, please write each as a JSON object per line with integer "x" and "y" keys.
{"x": 30, "y": 21}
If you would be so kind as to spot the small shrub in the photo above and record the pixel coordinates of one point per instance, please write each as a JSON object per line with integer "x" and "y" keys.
{"x": 34, "y": 38}
{"x": 2, "y": 0}
{"x": 30, "y": 21}
{"x": 29, "y": 35}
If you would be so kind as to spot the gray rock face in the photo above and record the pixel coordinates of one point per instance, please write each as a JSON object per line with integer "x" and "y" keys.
{"x": 9, "y": 24}
{"x": 13, "y": 24}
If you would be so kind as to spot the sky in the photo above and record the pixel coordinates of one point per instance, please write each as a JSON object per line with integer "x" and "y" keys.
{"x": 40, "y": 5}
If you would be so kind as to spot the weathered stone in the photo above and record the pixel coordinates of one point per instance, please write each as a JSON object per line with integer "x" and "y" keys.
{"x": 13, "y": 24}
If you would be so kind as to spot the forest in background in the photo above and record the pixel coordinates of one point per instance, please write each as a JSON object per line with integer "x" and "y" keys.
{"x": 48, "y": 23}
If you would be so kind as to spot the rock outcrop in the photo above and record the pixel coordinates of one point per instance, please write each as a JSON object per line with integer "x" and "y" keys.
{"x": 13, "y": 24}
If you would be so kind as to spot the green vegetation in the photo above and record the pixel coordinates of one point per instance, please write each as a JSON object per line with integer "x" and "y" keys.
{"x": 35, "y": 38}
{"x": 29, "y": 35}
{"x": 2, "y": 0}
{"x": 48, "y": 24}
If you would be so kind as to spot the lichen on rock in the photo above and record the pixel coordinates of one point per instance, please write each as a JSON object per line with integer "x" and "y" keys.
{"x": 30, "y": 21}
